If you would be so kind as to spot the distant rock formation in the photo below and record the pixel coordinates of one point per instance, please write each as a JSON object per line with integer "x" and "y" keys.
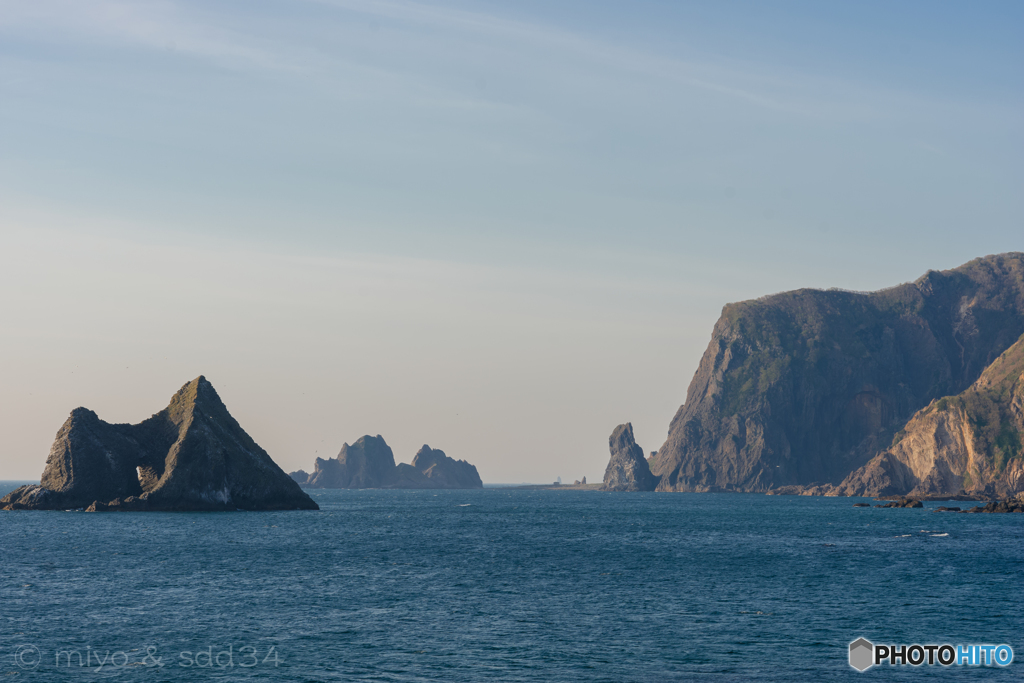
{"x": 446, "y": 472}
{"x": 370, "y": 464}
{"x": 968, "y": 442}
{"x": 192, "y": 455}
{"x": 627, "y": 469}
{"x": 808, "y": 386}
{"x": 366, "y": 464}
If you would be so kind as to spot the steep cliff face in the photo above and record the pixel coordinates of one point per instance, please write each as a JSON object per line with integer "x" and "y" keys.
{"x": 968, "y": 442}
{"x": 92, "y": 460}
{"x": 192, "y": 455}
{"x": 806, "y": 386}
{"x": 627, "y": 469}
{"x": 369, "y": 463}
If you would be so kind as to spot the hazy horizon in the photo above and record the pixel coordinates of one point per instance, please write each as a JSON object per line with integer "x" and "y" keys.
{"x": 497, "y": 229}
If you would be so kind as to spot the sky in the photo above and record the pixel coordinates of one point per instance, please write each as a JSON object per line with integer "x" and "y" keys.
{"x": 497, "y": 228}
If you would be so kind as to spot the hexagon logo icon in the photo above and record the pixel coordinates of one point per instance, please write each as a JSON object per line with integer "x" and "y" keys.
{"x": 862, "y": 654}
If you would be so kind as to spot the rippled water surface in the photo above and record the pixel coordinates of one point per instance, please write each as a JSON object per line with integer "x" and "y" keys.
{"x": 504, "y": 585}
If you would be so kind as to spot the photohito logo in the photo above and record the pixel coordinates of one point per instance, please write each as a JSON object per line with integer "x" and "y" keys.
{"x": 864, "y": 654}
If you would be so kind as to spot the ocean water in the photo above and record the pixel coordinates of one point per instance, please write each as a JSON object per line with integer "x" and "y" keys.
{"x": 505, "y": 585}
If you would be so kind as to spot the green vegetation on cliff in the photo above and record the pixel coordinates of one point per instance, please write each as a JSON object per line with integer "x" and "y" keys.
{"x": 988, "y": 407}
{"x": 806, "y": 386}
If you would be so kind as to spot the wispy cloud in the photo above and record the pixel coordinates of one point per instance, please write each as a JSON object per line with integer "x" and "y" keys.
{"x": 151, "y": 24}
{"x": 780, "y": 91}
{"x": 238, "y": 42}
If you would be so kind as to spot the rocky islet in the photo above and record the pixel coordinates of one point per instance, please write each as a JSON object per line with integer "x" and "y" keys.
{"x": 192, "y": 455}
{"x": 369, "y": 463}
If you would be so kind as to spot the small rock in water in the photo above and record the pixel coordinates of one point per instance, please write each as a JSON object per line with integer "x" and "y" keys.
{"x": 905, "y": 503}
{"x": 1008, "y": 505}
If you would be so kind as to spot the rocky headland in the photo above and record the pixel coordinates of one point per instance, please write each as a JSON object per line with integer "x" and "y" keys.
{"x": 192, "y": 455}
{"x": 914, "y": 388}
{"x": 369, "y": 463}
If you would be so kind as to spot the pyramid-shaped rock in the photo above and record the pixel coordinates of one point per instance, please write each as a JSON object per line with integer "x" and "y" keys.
{"x": 192, "y": 455}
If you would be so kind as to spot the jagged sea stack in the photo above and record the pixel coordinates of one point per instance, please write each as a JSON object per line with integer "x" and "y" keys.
{"x": 192, "y": 455}
{"x": 627, "y": 470}
{"x": 445, "y": 472}
{"x": 369, "y": 463}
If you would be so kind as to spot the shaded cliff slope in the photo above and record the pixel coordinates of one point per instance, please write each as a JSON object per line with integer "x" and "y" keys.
{"x": 192, "y": 455}
{"x": 962, "y": 443}
{"x": 806, "y": 386}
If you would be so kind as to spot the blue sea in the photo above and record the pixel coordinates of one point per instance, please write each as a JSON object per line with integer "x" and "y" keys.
{"x": 505, "y": 585}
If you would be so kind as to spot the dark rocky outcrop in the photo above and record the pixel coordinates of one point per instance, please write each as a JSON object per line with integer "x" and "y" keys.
{"x": 816, "y": 489}
{"x": 808, "y": 386}
{"x": 1008, "y": 505}
{"x": 627, "y": 469}
{"x": 369, "y": 463}
{"x": 943, "y": 508}
{"x": 192, "y": 455}
{"x": 904, "y": 503}
{"x": 959, "y": 496}
{"x": 445, "y": 472}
